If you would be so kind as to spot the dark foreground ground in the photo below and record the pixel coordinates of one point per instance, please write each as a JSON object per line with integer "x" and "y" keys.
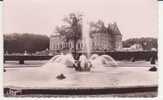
{"x": 138, "y": 94}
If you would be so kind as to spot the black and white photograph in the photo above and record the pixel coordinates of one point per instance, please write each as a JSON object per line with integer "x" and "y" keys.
{"x": 80, "y": 48}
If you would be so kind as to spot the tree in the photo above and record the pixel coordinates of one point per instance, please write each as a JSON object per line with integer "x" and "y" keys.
{"x": 147, "y": 43}
{"x": 98, "y": 27}
{"x": 18, "y": 43}
{"x": 72, "y": 30}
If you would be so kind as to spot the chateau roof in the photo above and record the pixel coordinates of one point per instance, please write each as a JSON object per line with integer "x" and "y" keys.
{"x": 114, "y": 29}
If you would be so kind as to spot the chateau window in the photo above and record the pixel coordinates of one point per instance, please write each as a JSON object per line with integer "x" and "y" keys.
{"x": 57, "y": 46}
{"x": 81, "y": 45}
{"x": 70, "y": 44}
{"x": 93, "y": 44}
{"x": 60, "y": 46}
{"x": 66, "y": 45}
{"x": 53, "y": 46}
{"x": 78, "y": 45}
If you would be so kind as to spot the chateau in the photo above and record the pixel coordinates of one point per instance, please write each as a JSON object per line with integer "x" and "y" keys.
{"x": 99, "y": 41}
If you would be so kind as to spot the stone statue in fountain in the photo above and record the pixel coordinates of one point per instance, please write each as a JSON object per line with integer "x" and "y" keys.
{"x": 83, "y": 64}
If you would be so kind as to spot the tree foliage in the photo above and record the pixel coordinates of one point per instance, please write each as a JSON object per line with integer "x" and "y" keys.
{"x": 72, "y": 29}
{"x": 147, "y": 43}
{"x": 18, "y": 43}
{"x": 98, "y": 27}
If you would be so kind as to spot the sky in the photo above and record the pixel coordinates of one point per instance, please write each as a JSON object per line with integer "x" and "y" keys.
{"x": 135, "y": 18}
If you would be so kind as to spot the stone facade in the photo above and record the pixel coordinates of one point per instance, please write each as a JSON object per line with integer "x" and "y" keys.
{"x": 101, "y": 42}
{"x": 98, "y": 42}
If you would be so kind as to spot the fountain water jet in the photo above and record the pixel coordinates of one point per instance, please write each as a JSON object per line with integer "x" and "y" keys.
{"x": 67, "y": 59}
{"x": 86, "y": 38}
{"x": 103, "y": 60}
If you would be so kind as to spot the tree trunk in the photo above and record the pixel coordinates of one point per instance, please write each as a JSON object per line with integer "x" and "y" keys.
{"x": 75, "y": 51}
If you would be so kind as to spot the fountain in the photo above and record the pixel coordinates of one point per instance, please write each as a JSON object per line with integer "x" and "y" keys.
{"x": 84, "y": 63}
{"x": 87, "y": 61}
